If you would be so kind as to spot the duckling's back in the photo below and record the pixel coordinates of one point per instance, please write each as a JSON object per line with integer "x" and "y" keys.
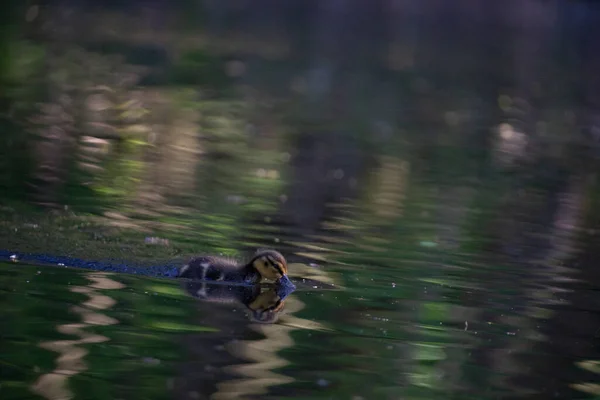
{"x": 215, "y": 269}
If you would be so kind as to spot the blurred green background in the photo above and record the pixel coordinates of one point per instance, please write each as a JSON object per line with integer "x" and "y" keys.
{"x": 437, "y": 160}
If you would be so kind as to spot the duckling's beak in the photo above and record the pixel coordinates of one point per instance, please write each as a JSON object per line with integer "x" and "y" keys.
{"x": 285, "y": 281}
{"x": 284, "y": 288}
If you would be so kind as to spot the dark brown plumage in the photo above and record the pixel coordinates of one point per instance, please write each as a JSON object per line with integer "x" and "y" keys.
{"x": 267, "y": 264}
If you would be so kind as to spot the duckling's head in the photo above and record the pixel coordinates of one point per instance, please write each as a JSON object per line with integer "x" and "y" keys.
{"x": 270, "y": 264}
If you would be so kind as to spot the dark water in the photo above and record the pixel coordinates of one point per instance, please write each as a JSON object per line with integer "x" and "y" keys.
{"x": 398, "y": 315}
{"x": 430, "y": 173}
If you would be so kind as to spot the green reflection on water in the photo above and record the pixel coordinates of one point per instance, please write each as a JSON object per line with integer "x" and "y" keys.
{"x": 121, "y": 328}
{"x": 419, "y": 240}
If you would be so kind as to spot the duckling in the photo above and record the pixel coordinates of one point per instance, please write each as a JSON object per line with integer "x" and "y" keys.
{"x": 267, "y": 264}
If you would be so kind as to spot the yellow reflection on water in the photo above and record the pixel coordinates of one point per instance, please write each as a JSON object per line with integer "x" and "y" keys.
{"x": 70, "y": 361}
{"x": 257, "y": 376}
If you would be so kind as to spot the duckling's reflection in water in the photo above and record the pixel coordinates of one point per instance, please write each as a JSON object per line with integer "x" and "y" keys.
{"x": 264, "y": 303}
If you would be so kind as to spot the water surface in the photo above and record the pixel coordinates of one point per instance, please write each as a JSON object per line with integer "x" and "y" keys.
{"x": 430, "y": 172}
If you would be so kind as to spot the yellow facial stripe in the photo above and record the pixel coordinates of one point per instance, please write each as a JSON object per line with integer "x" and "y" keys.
{"x": 275, "y": 264}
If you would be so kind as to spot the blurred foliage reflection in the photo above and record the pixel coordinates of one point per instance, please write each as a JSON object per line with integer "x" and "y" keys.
{"x": 429, "y": 170}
